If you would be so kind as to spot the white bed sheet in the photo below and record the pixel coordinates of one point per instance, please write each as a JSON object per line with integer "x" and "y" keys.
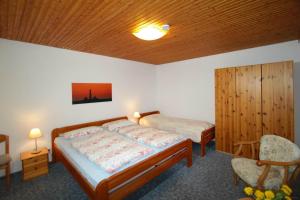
{"x": 189, "y": 128}
{"x": 92, "y": 172}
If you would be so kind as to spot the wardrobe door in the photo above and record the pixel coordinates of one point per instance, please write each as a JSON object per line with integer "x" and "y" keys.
{"x": 248, "y": 118}
{"x": 225, "y": 97}
{"x": 278, "y": 99}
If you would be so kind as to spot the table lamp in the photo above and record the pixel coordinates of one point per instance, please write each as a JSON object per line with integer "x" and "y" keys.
{"x": 35, "y": 133}
{"x": 136, "y": 116}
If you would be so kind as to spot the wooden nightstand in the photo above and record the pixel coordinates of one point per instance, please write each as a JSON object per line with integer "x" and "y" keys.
{"x": 34, "y": 164}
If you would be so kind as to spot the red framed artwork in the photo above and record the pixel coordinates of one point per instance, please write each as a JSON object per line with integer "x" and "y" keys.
{"x": 91, "y": 92}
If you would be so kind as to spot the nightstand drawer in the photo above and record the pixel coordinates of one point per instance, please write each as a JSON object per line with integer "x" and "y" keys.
{"x": 35, "y": 160}
{"x": 35, "y": 172}
{"x": 35, "y": 167}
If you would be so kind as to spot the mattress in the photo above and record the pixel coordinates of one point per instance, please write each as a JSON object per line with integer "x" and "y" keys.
{"x": 88, "y": 169}
{"x": 189, "y": 128}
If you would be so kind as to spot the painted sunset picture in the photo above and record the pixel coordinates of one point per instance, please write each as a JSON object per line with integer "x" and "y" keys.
{"x": 91, "y": 92}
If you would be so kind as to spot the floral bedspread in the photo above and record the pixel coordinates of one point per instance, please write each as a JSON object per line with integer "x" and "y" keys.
{"x": 150, "y": 136}
{"x": 109, "y": 150}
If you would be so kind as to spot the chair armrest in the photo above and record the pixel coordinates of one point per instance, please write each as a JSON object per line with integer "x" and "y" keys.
{"x": 269, "y": 163}
{"x": 276, "y": 163}
{"x": 246, "y": 142}
{"x": 241, "y": 143}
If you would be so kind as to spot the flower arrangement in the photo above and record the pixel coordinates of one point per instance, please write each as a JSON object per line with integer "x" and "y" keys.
{"x": 283, "y": 194}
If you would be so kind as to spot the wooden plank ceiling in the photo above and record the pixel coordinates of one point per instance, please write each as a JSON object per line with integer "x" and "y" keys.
{"x": 198, "y": 27}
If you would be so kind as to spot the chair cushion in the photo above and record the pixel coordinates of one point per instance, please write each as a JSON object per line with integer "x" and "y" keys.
{"x": 277, "y": 148}
{"x": 249, "y": 172}
{"x": 4, "y": 159}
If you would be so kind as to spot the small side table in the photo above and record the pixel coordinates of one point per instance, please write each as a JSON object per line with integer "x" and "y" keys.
{"x": 34, "y": 165}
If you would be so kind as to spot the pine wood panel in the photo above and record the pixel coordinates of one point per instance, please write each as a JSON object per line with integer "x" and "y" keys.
{"x": 248, "y": 117}
{"x": 225, "y": 108}
{"x": 198, "y": 28}
{"x": 278, "y": 99}
{"x": 263, "y": 104}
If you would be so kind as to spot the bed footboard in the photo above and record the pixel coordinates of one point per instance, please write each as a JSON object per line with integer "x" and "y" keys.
{"x": 127, "y": 181}
{"x": 118, "y": 186}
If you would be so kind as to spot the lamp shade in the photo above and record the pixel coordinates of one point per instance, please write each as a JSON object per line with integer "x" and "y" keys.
{"x": 136, "y": 115}
{"x": 35, "y": 133}
{"x": 151, "y": 31}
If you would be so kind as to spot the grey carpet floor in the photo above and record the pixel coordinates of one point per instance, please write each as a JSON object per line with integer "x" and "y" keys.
{"x": 209, "y": 178}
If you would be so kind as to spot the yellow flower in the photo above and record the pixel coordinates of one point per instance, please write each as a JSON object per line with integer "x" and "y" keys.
{"x": 259, "y": 194}
{"x": 286, "y": 191}
{"x": 287, "y": 198}
{"x": 287, "y": 188}
{"x": 268, "y": 199}
{"x": 248, "y": 191}
{"x": 269, "y": 194}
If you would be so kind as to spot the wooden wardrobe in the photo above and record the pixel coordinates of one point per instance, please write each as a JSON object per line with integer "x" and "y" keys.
{"x": 252, "y": 101}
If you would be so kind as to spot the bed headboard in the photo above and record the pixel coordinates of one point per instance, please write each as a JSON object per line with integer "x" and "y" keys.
{"x": 149, "y": 113}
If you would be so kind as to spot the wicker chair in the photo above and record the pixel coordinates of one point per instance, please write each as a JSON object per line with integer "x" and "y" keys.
{"x": 5, "y": 158}
{"x": 279, "y": 163}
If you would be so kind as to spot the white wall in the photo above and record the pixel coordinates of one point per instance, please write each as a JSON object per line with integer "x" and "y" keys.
{"x": 186, "y": 88}
{"x": 35, "y": 86}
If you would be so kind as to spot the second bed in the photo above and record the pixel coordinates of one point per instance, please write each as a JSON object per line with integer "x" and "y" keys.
{"x": 201, "y": 132}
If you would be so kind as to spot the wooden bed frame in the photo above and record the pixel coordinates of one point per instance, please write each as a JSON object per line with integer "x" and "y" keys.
{"x": 128, "y": 180}
{"x": 206, "y": 136}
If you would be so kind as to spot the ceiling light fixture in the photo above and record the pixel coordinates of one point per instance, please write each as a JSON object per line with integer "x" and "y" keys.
{"x": 151, "y": 32}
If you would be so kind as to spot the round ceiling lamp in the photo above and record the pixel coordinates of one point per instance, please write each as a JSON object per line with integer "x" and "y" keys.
{"x": 151, "y": 32}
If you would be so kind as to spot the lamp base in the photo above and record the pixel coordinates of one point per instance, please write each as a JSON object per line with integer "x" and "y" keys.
{"x": 36, "y": 151}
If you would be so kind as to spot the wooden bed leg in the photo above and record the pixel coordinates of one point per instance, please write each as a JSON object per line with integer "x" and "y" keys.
{"x": 206, "y": 136}
{"x": 203, "y": 145}
{"x": 190, "y": 154}
{"x": 53, "y": 160}
{"x": 102, "y": 191}
{"x": 53, "y": 156}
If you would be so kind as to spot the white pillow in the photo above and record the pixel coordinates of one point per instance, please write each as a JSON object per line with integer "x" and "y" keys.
{"x": 82, "y": 132}
{"x": 115, "y": 125}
